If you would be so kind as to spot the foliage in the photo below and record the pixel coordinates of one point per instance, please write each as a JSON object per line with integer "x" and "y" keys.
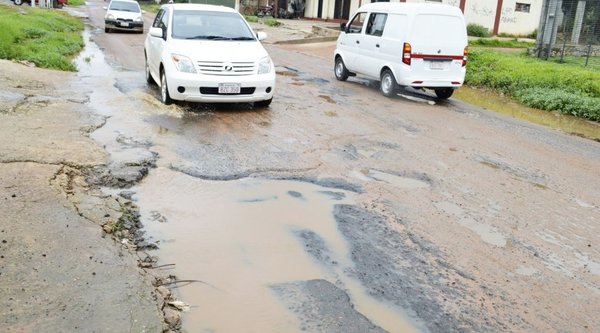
{"x": 271, "y": 22}
{"x": 152, "y": 7}
{"x": 76, "y": 2}
{"x": 477, "y": 30}
{"x": 251, "y": 18}
{"x": 570, "y": 89}
{"x": 48, "y": 38}
{"x": 495, "y": 42}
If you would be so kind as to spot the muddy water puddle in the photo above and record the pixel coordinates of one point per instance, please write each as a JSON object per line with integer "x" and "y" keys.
{"x": 507, "y": 106}
{"x": 241, "y": 238}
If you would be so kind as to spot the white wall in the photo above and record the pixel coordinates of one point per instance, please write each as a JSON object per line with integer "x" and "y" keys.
{"x": 482, "y": 12}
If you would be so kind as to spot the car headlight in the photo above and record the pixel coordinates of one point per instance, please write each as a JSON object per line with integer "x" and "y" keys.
{"x": 110, "y": 17}
{"x": 183, "y": 63}
{"x": 138, "y": 19}
{"x": 264, "y": 65}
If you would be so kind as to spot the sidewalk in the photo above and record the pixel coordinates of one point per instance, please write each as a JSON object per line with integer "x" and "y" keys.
{"x": 295, "y": 31}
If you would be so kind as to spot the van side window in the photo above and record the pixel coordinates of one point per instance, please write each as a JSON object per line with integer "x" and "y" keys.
{"x": 355, "y": 26}
{"x": 376, "y": 24}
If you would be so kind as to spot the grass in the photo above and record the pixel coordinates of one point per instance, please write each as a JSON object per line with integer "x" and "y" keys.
{"x": 271, "y": 22}
{"x": 251, "y": 18}
{"x": 48, "y": 38}
{"x": 477, "y": 30}
{"x": 150, "y": 7}
{"x": 495, "y": 42}
{"x": 76, "y": 2}
{"x": 567, "y": 88}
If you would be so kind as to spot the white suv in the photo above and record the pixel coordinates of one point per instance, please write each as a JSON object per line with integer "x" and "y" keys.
{"x": 205, "y": 53}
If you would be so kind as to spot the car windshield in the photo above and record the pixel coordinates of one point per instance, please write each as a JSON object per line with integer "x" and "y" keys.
{"x": 194, "y": 24}
{"x": 125, "y": 6}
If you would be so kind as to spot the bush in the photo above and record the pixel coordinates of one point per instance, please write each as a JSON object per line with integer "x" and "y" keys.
{"x": 569, "y": 89}
{"x": 477, "y": 30}
{"x": 494, "y": 42}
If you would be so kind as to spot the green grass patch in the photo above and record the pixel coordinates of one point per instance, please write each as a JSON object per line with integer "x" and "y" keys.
{"x": 76, "y": 2}
{"x": 150, "y": 7}
{"x": 271, "y": 22}
{"x": 567, "y": 88}
{"x": 495, "y": 42}
{"x": 48, "y": 38}
{"x": 251, "y": 18}
{"x": 477, "y": 30}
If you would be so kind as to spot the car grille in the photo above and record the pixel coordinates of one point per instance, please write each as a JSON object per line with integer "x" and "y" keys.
{"x": 124, "y": 20}
{"x": 215, "y": 91}
{"x": 226, "y": 68}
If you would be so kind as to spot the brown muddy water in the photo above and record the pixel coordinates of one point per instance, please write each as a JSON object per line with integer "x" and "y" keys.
{"x": 238, "y": 237}
{"x": 505, "y": 105}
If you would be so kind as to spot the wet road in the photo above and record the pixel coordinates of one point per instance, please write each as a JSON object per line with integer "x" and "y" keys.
{"x": 338, "y": 210}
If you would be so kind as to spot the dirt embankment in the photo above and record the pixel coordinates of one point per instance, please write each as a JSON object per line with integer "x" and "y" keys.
{"x": 61, "y": 266}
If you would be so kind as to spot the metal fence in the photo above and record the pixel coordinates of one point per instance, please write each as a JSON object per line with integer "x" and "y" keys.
{"x": 569, "y": 31}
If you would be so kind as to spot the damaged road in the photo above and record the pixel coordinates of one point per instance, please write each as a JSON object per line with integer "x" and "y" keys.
{"x": 334, "y": 210}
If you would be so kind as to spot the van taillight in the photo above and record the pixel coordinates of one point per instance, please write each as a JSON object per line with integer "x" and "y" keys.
{"x": 406, "y": 53}
{"x": 464, "y": 61}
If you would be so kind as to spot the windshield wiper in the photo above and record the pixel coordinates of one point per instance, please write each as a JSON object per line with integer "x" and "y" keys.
{"x": 208, "y": 37}
{"x": 241, "y": 38}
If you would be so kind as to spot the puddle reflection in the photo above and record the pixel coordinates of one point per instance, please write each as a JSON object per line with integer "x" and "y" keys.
{"x": 241, "y": 238}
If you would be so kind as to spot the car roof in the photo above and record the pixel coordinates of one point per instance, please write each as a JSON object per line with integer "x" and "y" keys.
{"x": 125, "y": 1}
{"x": 403, "y": 7}
{"x": 200, "y": 7}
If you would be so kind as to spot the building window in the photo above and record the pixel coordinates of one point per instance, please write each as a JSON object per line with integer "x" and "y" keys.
{"x": 522, "y": 7}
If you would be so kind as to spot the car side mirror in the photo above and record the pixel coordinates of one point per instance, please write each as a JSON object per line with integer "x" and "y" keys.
{"x": 156, "y": 32}
{"x": 105, "y": 8}
{"x": 261, "y": 35}
{"x": 343, "y": 26}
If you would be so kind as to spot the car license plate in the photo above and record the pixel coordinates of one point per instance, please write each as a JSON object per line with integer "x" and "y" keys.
{"x": 124, "y": 24}
{"x": 437, "y": 65}
{"x": 230, "y": 88}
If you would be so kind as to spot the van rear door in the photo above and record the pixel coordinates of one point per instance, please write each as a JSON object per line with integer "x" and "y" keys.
{"x": 437, "y": 43}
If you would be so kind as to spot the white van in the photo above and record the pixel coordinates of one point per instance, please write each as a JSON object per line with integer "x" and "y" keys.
{"x": 405, "y": 44}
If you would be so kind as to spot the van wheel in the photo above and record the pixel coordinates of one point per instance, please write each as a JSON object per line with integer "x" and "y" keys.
{"x": 164, "y": 90}
{"x": 341, "y": 72}
{"x": 18, "y": 2}
{"x": 388, "y": 84}
{"x": 444, "y": 93}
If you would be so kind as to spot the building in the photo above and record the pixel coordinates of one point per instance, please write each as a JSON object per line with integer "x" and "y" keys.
{"x": 520, "y": 17}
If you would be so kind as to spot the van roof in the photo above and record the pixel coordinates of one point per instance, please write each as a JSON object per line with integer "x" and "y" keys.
{"x": 403, "y": 8}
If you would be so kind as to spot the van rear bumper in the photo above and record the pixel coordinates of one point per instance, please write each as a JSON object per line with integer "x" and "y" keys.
{"x": 434, "y": 84}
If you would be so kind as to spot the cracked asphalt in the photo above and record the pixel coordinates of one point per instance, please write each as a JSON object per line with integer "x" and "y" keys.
{"x": 335, "y": 210}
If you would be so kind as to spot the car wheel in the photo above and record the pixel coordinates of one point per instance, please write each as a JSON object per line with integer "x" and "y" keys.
{"x": 388, "y": 84}
{"x": 341, "y": 72}
{"x": 18, "y": 2}
{"x": 263, "y": 104}
{"x": 149, "y": 78}
{"x": 106, "y": 30}
{"x": 444, "y": 93}
{"x": 164, "y": 90}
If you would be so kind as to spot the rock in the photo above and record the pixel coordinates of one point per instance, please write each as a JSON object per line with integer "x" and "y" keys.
{"x": 127, "y": 194}
{"x": 164, "y": 292}
{"x": 172, "y": 317}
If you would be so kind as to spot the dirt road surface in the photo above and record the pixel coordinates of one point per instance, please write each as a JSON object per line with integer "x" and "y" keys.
{"x": 339, "y": 210}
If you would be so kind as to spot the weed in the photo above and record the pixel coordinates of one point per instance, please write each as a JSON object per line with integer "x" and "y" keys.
{"x": 477, "y": 30}
{"x": 251, "y": 18}
{"x": 271, "y": 22}
{"x": 569, "y": 89}
{"x": 494, "y": 42}
{"x": 48, "y": 38}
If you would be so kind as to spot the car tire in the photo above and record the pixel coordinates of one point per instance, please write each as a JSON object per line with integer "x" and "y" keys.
{"x": 18, "y": 2}
{"x": 164, "y": 89}
{"x": 444, "y": 93}
{"x": 388, "y": 84}
{"x": 263, "y": 104}
{"x": 106, "y": 30}
{"x": 340, "y": 70}
{"x": 149, "y": 78}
